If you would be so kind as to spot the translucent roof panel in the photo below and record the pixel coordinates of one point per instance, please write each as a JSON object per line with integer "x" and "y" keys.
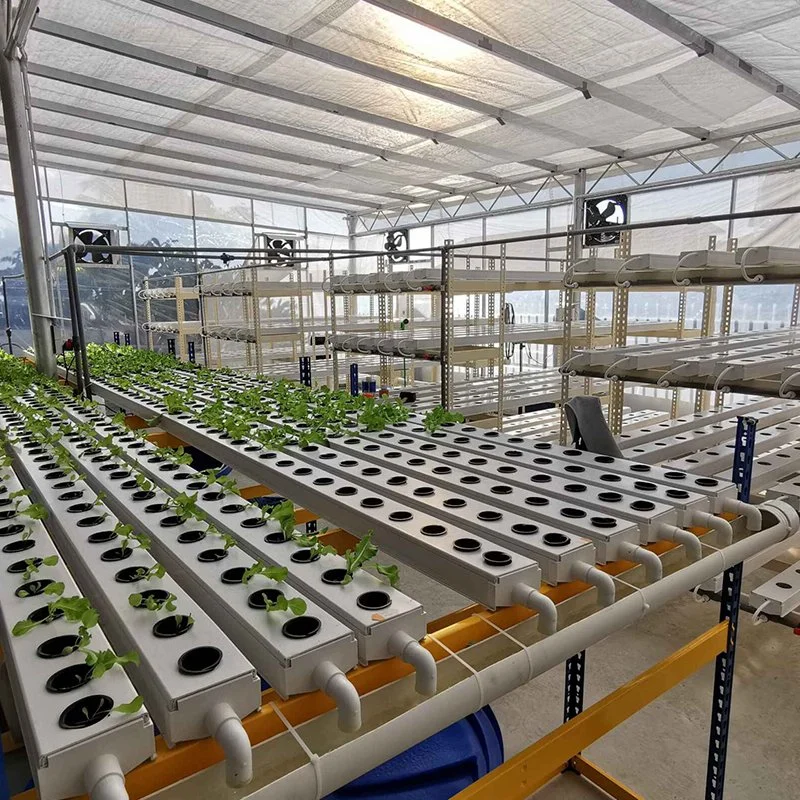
{"x": 363, "y": 107}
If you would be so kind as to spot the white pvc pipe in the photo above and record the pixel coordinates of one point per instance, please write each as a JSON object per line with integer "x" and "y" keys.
{"x": 715, "y": 523}
{"x": 407, "y": 648}
{"x": 338, "y": 767}
{"x": 652, "y": 563}
{"x": 224, "y": 725}
{"x": 104, "y": 779}
{"x": 529, "y": 597}
{"x": 334, "y": 683}
{"x": 690, "y": 542}
{"x": 751, "y": 513}
{"x": 606, "y": 591}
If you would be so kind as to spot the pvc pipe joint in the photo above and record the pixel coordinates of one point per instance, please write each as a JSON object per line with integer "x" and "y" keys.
{"x": 334, "y": 683}
{"x": 654, "y": 569}
{"x": 606, "y": 591}
{"x": 715, "y": 523}
{"x": 751, "y": 513}
{"x": 671, "y": 533}
{"x": 408, "y": 649}
{"x": 104, "y": 779}
{"x": 223, "y": 723}
{"x": 529, "y": 597}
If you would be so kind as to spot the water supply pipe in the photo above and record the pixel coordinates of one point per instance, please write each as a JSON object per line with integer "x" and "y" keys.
{"x": 224, "y": 725}
{"x": 343, "y": 764}
{"x": 334, "y": 683}
{"x": 527, "y": 596}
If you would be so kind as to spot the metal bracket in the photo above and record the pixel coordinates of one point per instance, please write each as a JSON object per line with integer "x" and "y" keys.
{"x": 573, "y": 685}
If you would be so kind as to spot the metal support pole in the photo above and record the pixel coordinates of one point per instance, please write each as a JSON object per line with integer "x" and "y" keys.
{"x": 25, "y": 197}
{"x": 446, "y": 327}
{"x": 134, "y": 306}
{"x": 573, "y": 685}
{"x": 7, "y": 318}
{"x": 354, "y": 380}
{"x": 305, "y": 370}
{"x": 729, "y": 612}
{"x": 78, "y": 342}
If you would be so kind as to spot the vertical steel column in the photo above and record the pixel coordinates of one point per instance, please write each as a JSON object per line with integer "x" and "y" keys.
{"x": 148, "y": 312}
{"x": 354, "y": 380}
{"x": 76, "y": 314}
{"x": 384, "y": 377}
{"x": 134, "y": 306}
{"x": 729, "y": 612}
{"x": 619, "y": 336}
{"x": 446, "y": 326}
{"x": 676, "y": 392}
{"x": 706, "y": 326}
{"x": 7, "y": 317}
{"x": 23, "y": 178}
{"x": 501, "y": 339}
{"x": 256, "y": 303}
{"x": 334, "y": 351}
{"x": 575, "y": 674}
{"x": 201, "y": 313}
{"x": 305, "y": 370}
{"x": 725, "y": 319}
{"x": 181, "y": 317}
{"x": 567, "y": 299}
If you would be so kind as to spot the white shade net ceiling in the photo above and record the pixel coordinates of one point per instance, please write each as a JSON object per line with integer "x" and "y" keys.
{"x": 363, "y": 104}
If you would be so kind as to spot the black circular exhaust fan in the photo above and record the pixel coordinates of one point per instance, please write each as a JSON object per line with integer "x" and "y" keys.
{"x": 92, "y": 236}
{"x": 605, "y": 212}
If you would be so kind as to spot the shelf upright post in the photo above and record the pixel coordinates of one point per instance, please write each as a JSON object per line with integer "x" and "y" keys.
{"x": 354, "y": 380}
{"x": 383, "y": 323}
{"x": 725, "y": 319}
{"x": 676, "y": 392}
{"x": 795, "y": 305}
{"x": 300, "y": 312}
{"x": 575, "y": 674}
{"x": 247, "y": 303}
{"x": 491, "y": 317}
{"x": 334, "y": 351}
{"x": 446, "y": 325}
{"x": 567, "y": 300}
{"x": 181, "y": 317}
{"x": 619, "y": 335}
{"x": 468, "y": 318}
{"x": 729, "y": 612}
{"x": 148, "y": 312}
{"x": 501, "y": 339}
{"x": 256, "y": 301}
{"x": 706, "y": 326}
{"x": 201, "y": 313}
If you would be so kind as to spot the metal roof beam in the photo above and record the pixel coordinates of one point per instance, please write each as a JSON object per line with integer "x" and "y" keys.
{"x": 224, "y": 144}
{"x": 198, "y": 109}
{"x": 192, "y": 158}
{"x": 707, "y": 48}
{"x": 120, "y": 48}
{"x": 586, "y": 86}
{"x": 197, "y": 176}
{"x": 259, "y": 33}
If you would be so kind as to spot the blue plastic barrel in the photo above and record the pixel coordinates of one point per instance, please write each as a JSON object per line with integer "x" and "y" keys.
{"x": 437, "y": 768}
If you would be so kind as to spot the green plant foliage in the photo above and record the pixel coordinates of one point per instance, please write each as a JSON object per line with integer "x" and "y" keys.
{"x": 437, "y": 417}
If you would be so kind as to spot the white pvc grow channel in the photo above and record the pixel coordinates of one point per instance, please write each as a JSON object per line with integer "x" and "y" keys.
{"x": 75, "y": 743}
{"x": 195, "y": 682}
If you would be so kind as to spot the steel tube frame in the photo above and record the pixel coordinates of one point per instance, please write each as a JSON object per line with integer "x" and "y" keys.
{"x": 26, "y": 200}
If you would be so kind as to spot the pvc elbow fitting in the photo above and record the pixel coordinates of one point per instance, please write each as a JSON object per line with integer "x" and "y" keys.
{"x": 412, "y": 652}
{"x": 751, "y": 513}
{"x": 606, "y": 591}
{"x": 104, "y": 779}
{"x": 721, "y": 526}
{"x": 671, "y": 533}
{"x": 654, "y": 569}
{"x": 334, "y": 683}
{"x": 223, "y": 723}
{"x": 529, "y": 597}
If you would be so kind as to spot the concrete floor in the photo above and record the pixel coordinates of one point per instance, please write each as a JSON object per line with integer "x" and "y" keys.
{"x": 660, "y": 752}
